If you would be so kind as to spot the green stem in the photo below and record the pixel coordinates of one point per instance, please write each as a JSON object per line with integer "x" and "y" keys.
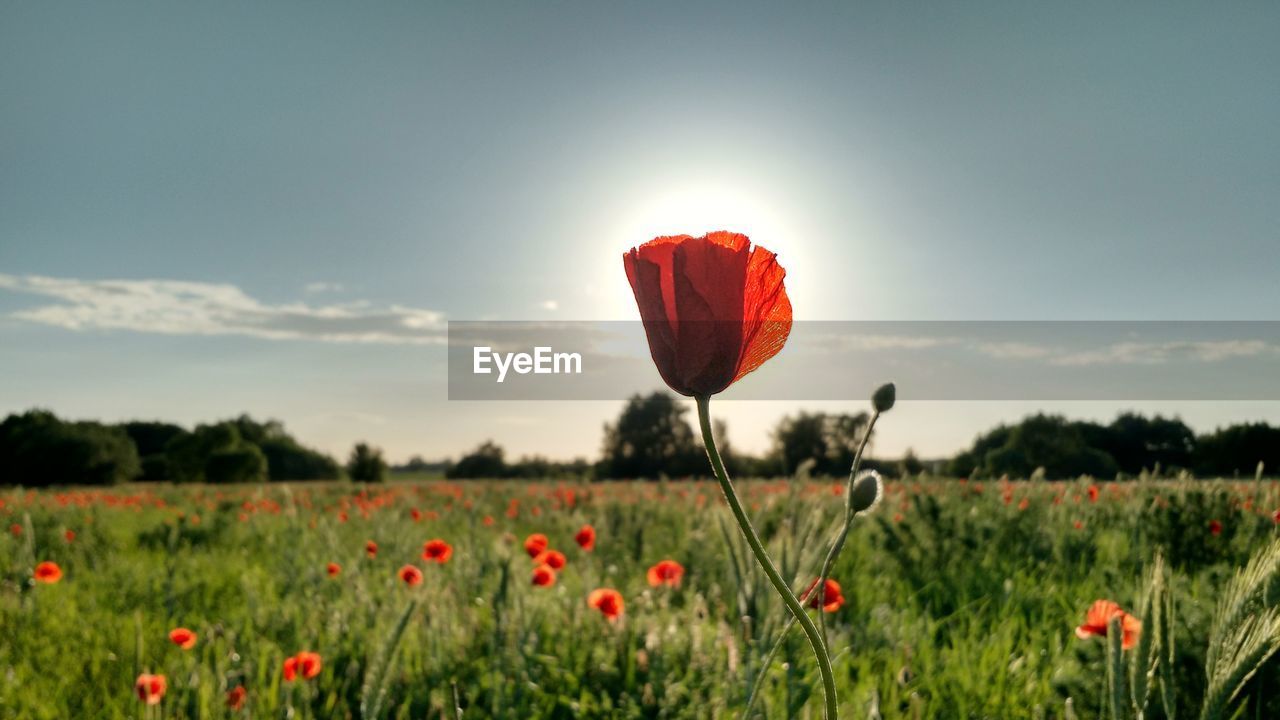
{"x": 849, "y": 512}
{"x": 757, "y": 547}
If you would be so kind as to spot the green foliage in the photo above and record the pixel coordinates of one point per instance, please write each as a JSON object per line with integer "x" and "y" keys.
{"x": 38, "y": 449}
{"x": 366, "y": 464}
{"x": 828, "y": 440}
{"x": 245, "y": 463}
{"x": 959, "y": 601}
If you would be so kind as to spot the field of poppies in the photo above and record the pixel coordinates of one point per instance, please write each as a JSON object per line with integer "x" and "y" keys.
{"x": 952, "y": 599}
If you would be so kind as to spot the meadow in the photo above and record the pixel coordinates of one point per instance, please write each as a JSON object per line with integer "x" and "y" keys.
{"x": 957, "y": 599}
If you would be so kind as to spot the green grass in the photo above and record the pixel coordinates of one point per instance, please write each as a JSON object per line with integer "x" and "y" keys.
{"x": 959, "y": 604}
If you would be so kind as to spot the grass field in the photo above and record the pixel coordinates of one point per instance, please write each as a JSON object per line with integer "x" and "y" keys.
{"x": 960, "y": 599}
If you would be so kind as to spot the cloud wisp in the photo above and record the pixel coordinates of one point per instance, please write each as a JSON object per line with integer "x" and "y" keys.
{"x": 174, "y": 307}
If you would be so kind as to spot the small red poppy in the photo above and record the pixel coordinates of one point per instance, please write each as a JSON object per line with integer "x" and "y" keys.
{"x": 236, "y": 696}
{"x": 554, "y": 558}
{"x": 15, "y": 530}
{"x": 666, "y": 572}
{"x": 307, "y": 664}
{"x": 714, "y": 308}
{"x": 150, "y": 688}
{"x": 608, "y": 601}
{"x": 416, "y": 514}
{"x": 544, "y": 576}
{"x": 70, "y": 535}
{"x": 333, "y": 569}
{"x": 371, "y": 548}
{"x": 1099, "y": 615}
{"x": 1215, "y": 528}
{"x": 411, "y": 575}
{"x": 586, "y": 538}
{"x": 48, "y": 572}
{"x": 487, "y": 521}
{"x": 832, "y": 599}
{"x": 535, "y": 544}
{"x": 183, "y": 638}
{"x": 437, "y": 551}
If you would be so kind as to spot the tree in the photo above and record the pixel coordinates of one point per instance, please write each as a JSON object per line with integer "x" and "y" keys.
{"x": 245, "y": 463}
{"x": 37, "y": 449}
{"x": 486, "y": 461}
{"x": 1139, "y": 443}
{"x": 1049, "y": 442}
{"x": 651, "y": 438}
{"x": 1238, "y": 449}
{"x": 151, "y": 439}
{"x": 366, "y": 464}
{"x": 188, "y": 455}
{"x": 830, "y": 440}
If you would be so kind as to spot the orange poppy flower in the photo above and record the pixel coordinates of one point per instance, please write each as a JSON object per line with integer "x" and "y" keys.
{"x": 554, "y": 558}
{"x": 307, "y": 664}
{"x": 411, "y": 575}
{"x": 666, "y": 572}
{"x": 544, "y": 576}
{"x": 608, "y": 601}
{"x": 371, "y": 549}
{"x": 586, "y": 538}
{"x": 1098, "y": 617}
{"x": 535, "y": 544}
{"x": 236, "y": 696}
{"x": 437, "y": 551}
{"x": 832, "y": 599}
{"x": 714, "y": 308}
{"x": 183, "y": 638}
{"x": 150, "y": 688}
{"x": 48, "y": 572}
{"x": 334, "y": 569}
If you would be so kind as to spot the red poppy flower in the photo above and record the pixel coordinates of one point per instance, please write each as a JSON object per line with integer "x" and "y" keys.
{"x": 333, "y": 569}
{"x": 544, "y": 576}
{"x": 150, "y": 688}
{"x": 714, "y": 308}
{"x": 1093, "y": 493}
{"x": 48, "y": 572}
{"x": 487, "y": 521}
{"x": 371, "y": 549}
{"x": 183, "y": 638}
{"x": 832, "y": 599}
{"x": 1215, "y": 528}
{"x": 554, "y": 558}
{"x": 15, "y": 530}
{"x": 586, "y": 538}
{"x": 608, "y": 601}
{"x": 416, "y": 514}
{"x": 411, "y": 575}
{"x": 666, "y": 572}
{"x": 535, "y": 544}
{"x": 306, "y": 664}
{"x": 1275, "y": 517}
{"x": 437, "y": 551}
{"x": 236, "y": 696}
{"x": 70, "y": 535}
{"x": 1098, "y": 617}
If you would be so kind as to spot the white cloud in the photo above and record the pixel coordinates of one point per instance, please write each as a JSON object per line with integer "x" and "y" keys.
{"x": 1135, "y": 353}
{"x": 321, "y": 287}
{"x": 173, "y": 307}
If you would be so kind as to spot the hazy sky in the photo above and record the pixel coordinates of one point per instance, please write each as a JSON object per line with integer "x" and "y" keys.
{"x": 274, "y": 207}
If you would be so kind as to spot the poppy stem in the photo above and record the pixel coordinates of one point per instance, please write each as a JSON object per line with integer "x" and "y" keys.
{"x": 849, "y": 512}
{"x": 757, "y": 548}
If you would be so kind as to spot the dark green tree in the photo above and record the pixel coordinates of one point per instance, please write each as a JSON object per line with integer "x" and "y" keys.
{"x": 366, "y": 464}
{"x": 651, "y": 438}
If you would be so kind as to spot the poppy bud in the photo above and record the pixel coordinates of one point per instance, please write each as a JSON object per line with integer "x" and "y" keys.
{"x": 867, "y": 489}
{"x": 883, "y": 400}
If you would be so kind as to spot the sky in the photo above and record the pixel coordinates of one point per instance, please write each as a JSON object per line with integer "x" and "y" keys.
{"x": 276, "y": 208}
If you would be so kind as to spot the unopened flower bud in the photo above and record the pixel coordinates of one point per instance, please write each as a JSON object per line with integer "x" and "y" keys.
{"x": 882, "y": 401}
{"x": 867, "y": 489}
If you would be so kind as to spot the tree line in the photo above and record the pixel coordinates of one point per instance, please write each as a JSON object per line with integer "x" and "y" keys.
{"x": 651, "y": 438}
